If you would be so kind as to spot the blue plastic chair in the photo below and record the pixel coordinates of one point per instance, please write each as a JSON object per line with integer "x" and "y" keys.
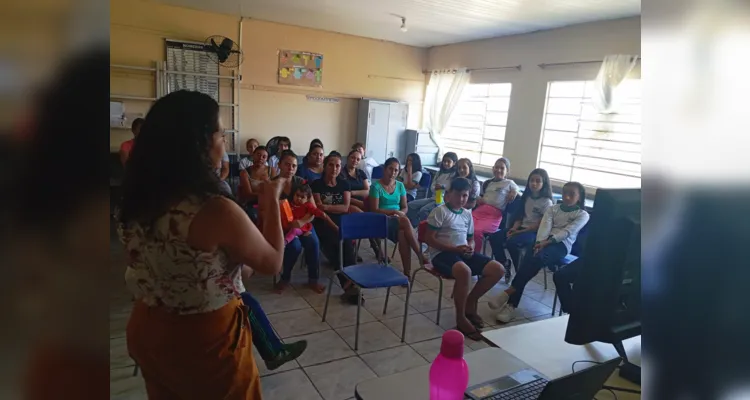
{"x": 425, "y": 182}
{"x": 368, "y": 276}
{"x": 510, "y": 210}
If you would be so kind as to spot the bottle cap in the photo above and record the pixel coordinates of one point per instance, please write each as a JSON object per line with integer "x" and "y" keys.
{"x": 453, "y": 344}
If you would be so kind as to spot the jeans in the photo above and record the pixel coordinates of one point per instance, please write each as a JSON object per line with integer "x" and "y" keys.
{"x": 419, "y": 210}
{"x": 499, "y": 242}
{"x": 311, "y": 245}
{"x": 264, "y": 337}
{"x": 532, "y": 264}
{"x": 564, "y": 281}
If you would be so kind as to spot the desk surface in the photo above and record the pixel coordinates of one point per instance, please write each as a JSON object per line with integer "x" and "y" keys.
{"x": 540, "y": 345}
{"x": 484, "y": 365}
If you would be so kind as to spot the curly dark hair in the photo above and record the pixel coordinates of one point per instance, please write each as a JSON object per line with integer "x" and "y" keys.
{"x": 171, "y": 159}
{"x": 581, "y": 193}
{"x": 416, "y": 162}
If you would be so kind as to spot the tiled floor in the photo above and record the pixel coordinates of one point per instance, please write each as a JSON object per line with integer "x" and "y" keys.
{"x": 330, "y": 368}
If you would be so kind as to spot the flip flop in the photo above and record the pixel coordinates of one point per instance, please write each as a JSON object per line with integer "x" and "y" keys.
{"x": 474, "y": 335}
{"x": 476, "y": 320}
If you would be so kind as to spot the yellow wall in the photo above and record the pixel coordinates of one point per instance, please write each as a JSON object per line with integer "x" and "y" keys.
{"x": 353, "y": 67}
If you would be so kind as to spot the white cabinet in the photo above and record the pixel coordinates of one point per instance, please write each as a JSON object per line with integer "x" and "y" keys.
{"x": 381, "y": 126}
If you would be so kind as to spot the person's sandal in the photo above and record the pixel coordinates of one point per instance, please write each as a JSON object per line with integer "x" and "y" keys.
{"x": 474, "y": 335}
{"x": 288, "y": 353}
{"x": 476, "y": 320}
{"x": 316, "y": 287}
{"x": 280, "y": 287}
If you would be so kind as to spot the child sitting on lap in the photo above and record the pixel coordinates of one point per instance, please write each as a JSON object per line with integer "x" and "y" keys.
{"x": 303, "y": 212}
{"x": 449, "y": 234}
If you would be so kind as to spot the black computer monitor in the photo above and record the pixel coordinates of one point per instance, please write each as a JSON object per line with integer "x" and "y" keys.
{"x": 607, "y": 292}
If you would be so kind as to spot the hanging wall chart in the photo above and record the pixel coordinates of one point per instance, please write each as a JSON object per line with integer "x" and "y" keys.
{"x": 300, "y": 68}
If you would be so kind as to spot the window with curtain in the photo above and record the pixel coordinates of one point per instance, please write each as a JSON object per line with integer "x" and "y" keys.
{"x": 581, "y": 144}
{"x": 476, "y": 128}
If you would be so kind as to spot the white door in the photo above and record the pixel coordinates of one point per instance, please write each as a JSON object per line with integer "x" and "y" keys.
{"x": 377, "y": 131}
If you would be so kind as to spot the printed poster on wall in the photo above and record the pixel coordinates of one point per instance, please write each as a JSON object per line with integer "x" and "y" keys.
{"x": 300, "y": 68}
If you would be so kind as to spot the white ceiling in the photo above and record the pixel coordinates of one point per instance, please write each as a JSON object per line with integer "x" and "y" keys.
{"x": 429, "y": 22}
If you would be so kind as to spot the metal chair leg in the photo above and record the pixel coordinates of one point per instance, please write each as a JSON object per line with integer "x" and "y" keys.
{"x": 406, "y": 314}
{"x": 440, "y": 299}
{"x": 328, "y": 295}
{"x": 356, "y": 328}
{"x": 544, "y": 272}
{"x": 554, "y": 303}
{"x": 393, "y": 255}
{"x": 387, "y": 294}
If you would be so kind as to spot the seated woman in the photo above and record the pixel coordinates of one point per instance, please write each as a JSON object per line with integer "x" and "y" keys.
{"x": 358, "y": 182}
{"x": 253, "y": 176}
{"x": 420, "y": 209}
{"x": 313, "y": 144}
{"x": 465, "y": 169}
{"x": 188, "y": 330}
{"x": 287, "y": 169}
{"x": 410, "y": 175}
{"x": 388, "y": 196}
{"x": 333, "y": 196}
{"x": 497, "y": 193}
{"x": 301, "y": 235}
{"x": 535, "y": 200}
{"x": 312, "y": 169}
{"x": 554, "y": 240}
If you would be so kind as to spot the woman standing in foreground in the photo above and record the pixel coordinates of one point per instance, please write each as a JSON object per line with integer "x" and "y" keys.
{"x": 186, "y": 244}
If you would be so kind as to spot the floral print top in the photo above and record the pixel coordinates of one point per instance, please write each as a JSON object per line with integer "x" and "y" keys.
{"x": 165, "y": 271}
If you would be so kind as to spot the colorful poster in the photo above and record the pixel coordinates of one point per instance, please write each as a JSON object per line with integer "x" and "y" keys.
{"x": 300, "y": 68}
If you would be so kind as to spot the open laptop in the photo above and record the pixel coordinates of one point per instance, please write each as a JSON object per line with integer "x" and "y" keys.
{"x": 529, "y": 384}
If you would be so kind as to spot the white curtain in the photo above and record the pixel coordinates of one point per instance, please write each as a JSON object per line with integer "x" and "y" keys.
{"x": 443, "y": 93}
{"x": 614, "y": 70}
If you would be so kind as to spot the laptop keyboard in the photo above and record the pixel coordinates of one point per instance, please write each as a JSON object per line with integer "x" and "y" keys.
{"x": 527, "y": 391}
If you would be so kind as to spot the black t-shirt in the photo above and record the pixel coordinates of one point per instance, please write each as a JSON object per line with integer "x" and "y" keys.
{"x": 355, "y": 182}
{"x": 331, "y": 196}
{"x": 296, "y": 182}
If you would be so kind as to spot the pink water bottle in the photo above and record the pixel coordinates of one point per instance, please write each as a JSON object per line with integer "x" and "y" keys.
{"x": 449, "y": 374}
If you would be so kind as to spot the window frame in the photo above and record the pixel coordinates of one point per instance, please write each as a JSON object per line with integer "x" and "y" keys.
{"x": 506, "y": 90}
{"x": 583, "y": 117}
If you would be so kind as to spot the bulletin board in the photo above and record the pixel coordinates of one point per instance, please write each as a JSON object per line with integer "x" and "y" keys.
{"x": 300, "y": 68}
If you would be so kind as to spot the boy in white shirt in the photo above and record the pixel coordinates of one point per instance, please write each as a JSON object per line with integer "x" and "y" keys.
{"x": 450, "y": 230}
{"x": 282, "y": 144}
{"x": 250, "y": 145}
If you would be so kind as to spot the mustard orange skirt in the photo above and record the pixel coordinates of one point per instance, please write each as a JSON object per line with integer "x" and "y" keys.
{"x": 196, "y": 356}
